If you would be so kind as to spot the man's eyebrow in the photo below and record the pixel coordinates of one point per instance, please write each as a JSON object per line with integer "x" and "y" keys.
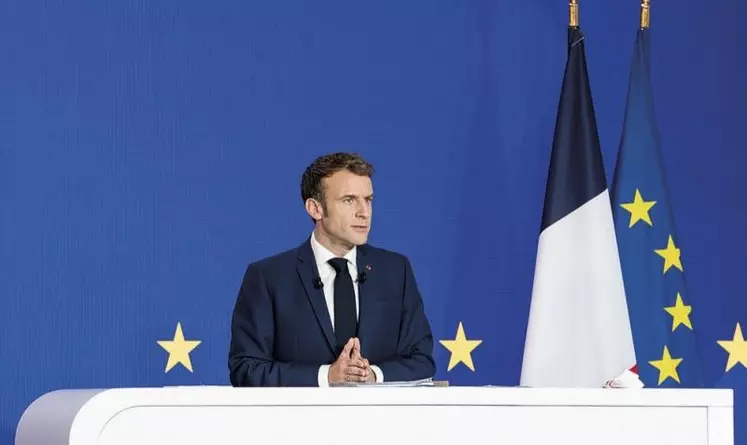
{"x": 350, "y": 195}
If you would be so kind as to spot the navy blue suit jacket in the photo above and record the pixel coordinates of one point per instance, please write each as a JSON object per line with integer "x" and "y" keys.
{"x": 281, "y": 330}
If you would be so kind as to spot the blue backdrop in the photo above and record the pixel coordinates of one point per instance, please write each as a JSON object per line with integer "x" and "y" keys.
{"x": 150, "y": 150}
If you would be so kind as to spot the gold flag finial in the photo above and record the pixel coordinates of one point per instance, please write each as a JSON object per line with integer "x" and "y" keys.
{"x": 645, "y": 13}
{"x": 574, "y": 13}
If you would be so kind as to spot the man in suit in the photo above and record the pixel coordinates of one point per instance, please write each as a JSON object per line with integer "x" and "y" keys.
{"x": 334, "y": 309}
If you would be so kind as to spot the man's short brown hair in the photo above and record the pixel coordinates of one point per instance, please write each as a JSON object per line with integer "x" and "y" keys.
{"x": 327, "y": 165}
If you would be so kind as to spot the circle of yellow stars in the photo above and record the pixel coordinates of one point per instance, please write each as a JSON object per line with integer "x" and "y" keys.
{"x": 179, "y": 349}
{"x": 461, "y": 348}
{"x": 736, "y": 347}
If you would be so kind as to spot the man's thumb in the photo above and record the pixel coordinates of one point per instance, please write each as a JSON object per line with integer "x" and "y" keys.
{"x": 348, "y": 347}
{"x": 356, "y": 348}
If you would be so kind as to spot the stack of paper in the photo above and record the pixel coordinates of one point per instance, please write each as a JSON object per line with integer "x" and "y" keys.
{"x": 409, "y": 384}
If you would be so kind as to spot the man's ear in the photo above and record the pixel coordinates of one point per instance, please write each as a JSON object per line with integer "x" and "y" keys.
{"x": 314, "y": 209}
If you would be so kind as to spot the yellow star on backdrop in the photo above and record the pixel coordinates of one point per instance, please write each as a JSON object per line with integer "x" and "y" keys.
{"x": 179, "y": 349}
{"x": 737, "y": 349}
{"x": 671, "y": 255}
{"x": 680, "y": 313}
{"x": 638, "y": 209}
{"x": 461, "y": 349}
{"x": 667, "y": 367}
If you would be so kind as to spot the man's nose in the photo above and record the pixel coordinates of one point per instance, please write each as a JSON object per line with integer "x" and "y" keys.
{"x": 363, "y": 211}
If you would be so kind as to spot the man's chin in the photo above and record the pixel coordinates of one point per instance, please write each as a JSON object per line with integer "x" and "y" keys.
{"x": 359, "y": 239}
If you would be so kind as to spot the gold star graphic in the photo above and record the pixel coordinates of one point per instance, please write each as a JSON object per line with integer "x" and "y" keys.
{"x": 667, "y": 366}
{"x": 179, "y": 349}
{"x": 671, "y": 255}
{"x": 461, "y": 349}
{"x": 638, "y": 209}
{"x": 680, "y": 313}
{"x": 737, "y": 349}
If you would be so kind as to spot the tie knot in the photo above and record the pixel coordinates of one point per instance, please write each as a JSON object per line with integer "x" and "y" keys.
{"x": 339, "y": 264}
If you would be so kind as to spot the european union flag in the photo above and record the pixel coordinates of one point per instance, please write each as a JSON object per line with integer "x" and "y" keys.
{"x": 662, "y": 313}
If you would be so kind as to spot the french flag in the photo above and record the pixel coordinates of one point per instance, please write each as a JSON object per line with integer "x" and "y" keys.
{"x": 578, "y": 333}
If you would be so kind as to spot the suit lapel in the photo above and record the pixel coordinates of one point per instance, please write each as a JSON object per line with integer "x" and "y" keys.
{"x": 365, "y": 293}
{"x": 308, "y": 273}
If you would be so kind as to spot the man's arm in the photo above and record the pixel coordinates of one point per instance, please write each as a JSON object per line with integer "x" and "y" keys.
{"x": 250, "y": 358}
{"x": 414, "y": 359}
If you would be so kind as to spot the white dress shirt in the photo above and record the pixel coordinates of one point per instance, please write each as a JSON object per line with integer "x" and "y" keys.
{"x": 327, "y": 275}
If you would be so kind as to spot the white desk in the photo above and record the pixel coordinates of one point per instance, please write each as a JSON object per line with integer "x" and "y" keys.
{"x": 381, "y": 416}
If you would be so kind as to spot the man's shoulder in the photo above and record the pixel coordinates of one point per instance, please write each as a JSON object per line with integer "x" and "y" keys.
{"x": 280, "y": 260}
{"x": 290, "y": 257}
{"x": 384, "y": 254}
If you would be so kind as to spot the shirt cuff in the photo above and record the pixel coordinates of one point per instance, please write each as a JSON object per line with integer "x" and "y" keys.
{"x": 322, "y": 377}
{"x": 379, "y": 374}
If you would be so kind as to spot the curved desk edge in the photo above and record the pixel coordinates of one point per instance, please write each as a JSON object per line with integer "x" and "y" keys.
{"x": 49, "y": 418}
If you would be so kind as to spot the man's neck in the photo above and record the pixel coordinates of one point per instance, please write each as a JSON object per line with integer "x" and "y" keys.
{"x": 323, "y": 239}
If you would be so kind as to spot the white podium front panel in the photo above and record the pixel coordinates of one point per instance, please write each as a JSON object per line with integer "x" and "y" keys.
{"x": 434, "y": 416}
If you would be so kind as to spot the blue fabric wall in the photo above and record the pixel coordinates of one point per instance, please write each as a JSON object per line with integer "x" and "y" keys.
{"x": 150, "y": 150}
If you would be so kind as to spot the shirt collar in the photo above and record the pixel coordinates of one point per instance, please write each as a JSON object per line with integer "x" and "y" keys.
{"x": 322, "y": 254}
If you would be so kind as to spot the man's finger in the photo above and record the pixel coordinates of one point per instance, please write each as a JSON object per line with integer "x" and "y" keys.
{"x": 357, "y": 362}
{"x": 355, "y": 371}
{"x": 347, "y": 349}
{"x": 356, "y": 347}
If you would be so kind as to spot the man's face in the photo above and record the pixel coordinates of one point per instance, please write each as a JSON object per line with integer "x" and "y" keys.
{"x": 347, "y": 219}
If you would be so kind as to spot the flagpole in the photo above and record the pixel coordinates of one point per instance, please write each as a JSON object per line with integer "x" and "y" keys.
{"x": 645, "y": 14}
{"x": 573, "y": 22}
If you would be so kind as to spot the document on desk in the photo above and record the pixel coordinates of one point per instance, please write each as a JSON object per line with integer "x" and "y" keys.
{"x": 405, "y": 384}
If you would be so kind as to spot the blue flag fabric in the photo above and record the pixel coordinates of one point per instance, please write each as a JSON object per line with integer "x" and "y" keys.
{"x": 663, "y": 315}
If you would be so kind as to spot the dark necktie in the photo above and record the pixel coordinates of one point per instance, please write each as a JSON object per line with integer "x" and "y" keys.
{"x": 346, "y": 322}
